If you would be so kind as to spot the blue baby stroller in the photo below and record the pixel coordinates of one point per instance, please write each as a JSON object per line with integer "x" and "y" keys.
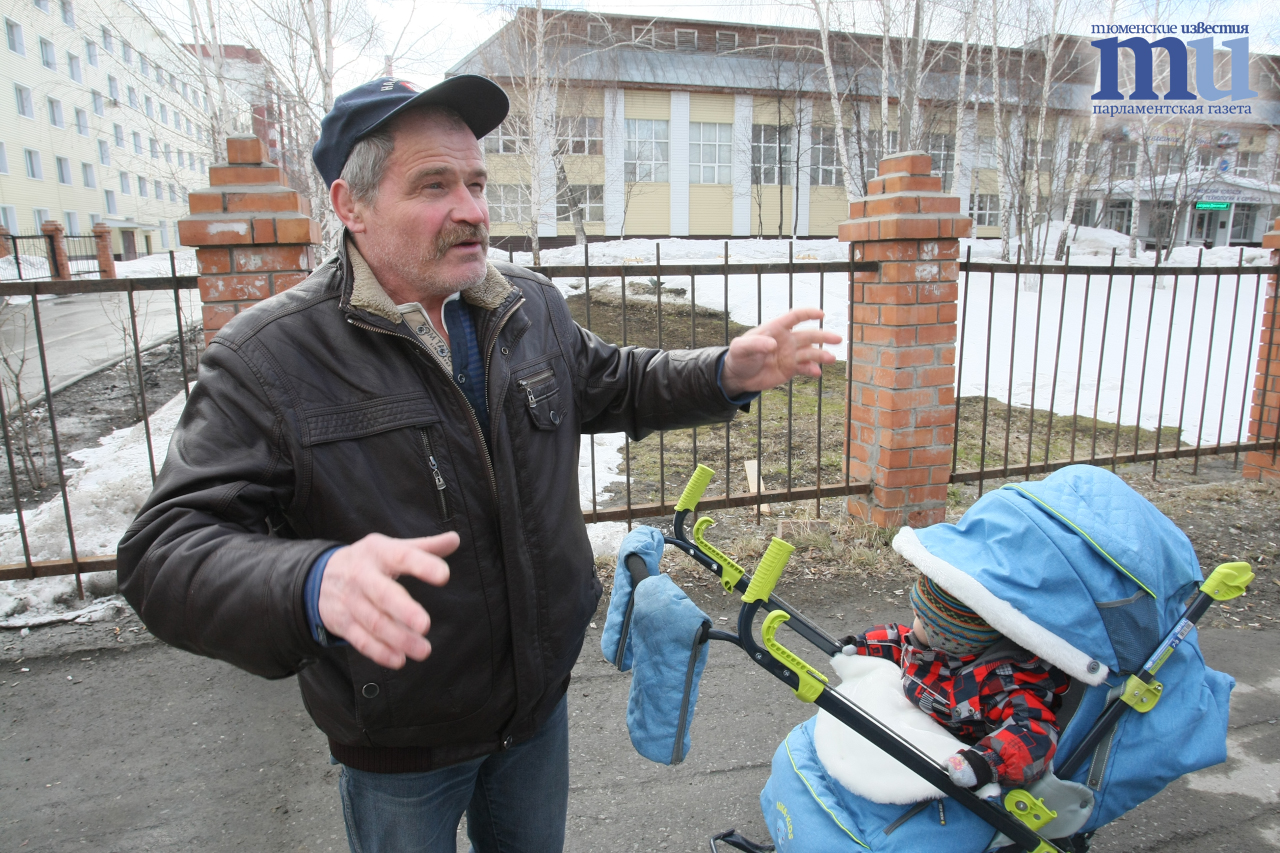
{"x": 1077, "y": 568}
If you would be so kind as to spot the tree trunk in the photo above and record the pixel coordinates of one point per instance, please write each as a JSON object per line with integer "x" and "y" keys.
{"x": 910, "y": 100}
{"x": 997, "y": 103}
{"x": 837, "y": 107}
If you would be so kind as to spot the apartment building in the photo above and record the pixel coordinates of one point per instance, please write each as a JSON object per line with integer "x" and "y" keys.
{"x": 666, "y": 127}
{"x": 102, "y": 119}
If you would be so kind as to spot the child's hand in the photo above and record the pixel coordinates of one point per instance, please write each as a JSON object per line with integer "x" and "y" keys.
{"x": 960, "y": 771}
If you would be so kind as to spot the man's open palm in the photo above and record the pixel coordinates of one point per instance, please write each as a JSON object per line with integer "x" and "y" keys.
{"x": 774, "y": 352}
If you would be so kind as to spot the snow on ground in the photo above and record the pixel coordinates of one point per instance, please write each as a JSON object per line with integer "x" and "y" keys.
{"x": 1215, "y": 325}
{"x": 158, "y": 265}
{"x": 107, "y": 492}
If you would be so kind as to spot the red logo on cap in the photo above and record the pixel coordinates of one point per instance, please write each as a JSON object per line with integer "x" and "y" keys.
{"x": 406, "y": 84}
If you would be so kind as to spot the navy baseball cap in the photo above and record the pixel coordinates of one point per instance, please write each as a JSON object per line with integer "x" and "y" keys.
{"x": 478, "y": 100}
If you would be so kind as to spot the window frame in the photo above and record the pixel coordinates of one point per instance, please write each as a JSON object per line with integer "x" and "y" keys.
{"x": 718, "y": 168}
{"x": 14, "y": 37}
{"x": 646, "y": 158}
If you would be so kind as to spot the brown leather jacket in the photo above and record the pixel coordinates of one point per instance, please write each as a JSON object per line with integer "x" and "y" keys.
{"x": 312, "y": 424}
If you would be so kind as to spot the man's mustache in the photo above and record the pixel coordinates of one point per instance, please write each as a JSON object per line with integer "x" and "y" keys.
{"x": 461, "y": 233}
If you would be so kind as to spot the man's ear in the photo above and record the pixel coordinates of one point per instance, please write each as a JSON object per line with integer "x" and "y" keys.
{"x": 346, "y": 207}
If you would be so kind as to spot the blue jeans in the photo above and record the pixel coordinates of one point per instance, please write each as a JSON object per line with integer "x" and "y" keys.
{"x": 515, "y": 801}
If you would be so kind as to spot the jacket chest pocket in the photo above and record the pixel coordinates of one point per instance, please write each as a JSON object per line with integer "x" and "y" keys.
{"x": 538, "y": 392}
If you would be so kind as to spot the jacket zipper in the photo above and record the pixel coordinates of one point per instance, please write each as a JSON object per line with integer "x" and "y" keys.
{"x": 475, "y": 421}
{"x": 537, "y": 379}
{"x": 435, "y": 472}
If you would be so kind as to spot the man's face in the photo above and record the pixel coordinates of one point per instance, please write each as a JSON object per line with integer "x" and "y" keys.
{"x": 427, "y": 232}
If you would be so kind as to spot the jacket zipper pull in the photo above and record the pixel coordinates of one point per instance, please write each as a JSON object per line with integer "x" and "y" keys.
{"x": 533, "y": 401}
{"x": 435, "y": 472}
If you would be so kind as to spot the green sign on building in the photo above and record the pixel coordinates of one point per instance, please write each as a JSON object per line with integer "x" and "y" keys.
{"x": 1213, "y": 205}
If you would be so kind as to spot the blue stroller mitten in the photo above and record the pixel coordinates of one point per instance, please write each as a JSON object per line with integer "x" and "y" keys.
{"x": 669, "y": 639}
{"x": 647, "y": 542}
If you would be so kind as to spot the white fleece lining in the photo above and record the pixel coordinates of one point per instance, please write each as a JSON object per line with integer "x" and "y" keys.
{"x": 1000, "y": 614}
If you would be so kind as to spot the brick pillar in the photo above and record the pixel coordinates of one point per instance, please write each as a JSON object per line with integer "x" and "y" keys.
{"x": 902, "y": 329}
{"x": 253, "y": 235}
{"x": 1264, "y": 414}
{"x": 4, "y": 242}
{"x": 102, "y": 242}
{"x": 60, "y": 263}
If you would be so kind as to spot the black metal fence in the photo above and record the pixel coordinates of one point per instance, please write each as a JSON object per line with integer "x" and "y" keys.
{"x": 1102, "y": 363}
{"x": 29, "y": 416}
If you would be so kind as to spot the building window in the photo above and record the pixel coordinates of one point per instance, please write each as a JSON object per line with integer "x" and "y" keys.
{"x": 686, "y": 39}
{"x": 142, "y": 187}
{"x": 159, "y": 75}
{"x": 710, "y": 152}
{"x": 824, "y": 158}
{"x": 68, "y": 13}
{"x": 726, "y": 41}
{"x": 73, "y": 68}
{"x": 878, "y": 148}
{"x": 9, "y": 218}
{"x": 125, "y": 186}
{"x": 157, "y": 190}
{"x": 55, "y": 112}
{"x": 150, "y": 111}
{"x": 596, "y": 34}
{"x": 42, "y": 5}
{"x": 126, "y": 52}
{"x": 645, "y": 157}
{"x": 13, "y": 32}
{"x": 583, "y": 135}
{"x": 32, "y": 159}
{"x": 766, "y": 41}
{"x": 73, "y": 222}
{"x": 643, "y": 35}
{"x": 1082, "y": 214}
{"x": 1118, "y": 216}
{"x": 173, "y": 193}
{"x": 82, "y": 122}
{"x": 202, "y": 166}
{"x": 91, "y": 52}
{"x": 1124, "y": 162}
{"x": 509, "y": 138}
{"x": 1243, "y": 220}
{"x": 104, "y": 152}
{"x": 110, "y": 198}
{"x": 41, "y": 216}
{"x": 113, "y": 89}
{"x": 164, "y": 113}
{"x": 1247, "y": 163}
{"x": 984, "y": 209}
{"x": 4, "y": 160}
{"x": 99, "y": 105}
{"x": 89, "y": 175}
{"x": 155, "y": 148}
{"x": 23, "y": 96}
{"x": 163, "y": 228}
{"x": 590, "y": 198}
{"x": 144, "y": 66}
{"x": 63, "y": 167}
{"x": 987, "y": 152}
{"x": 942, "y": 156}
{"x": 137, "y": 142}
{"x": 168, "y": 153}
{"x": 133, "y": 97}
{"x": 188, "y": 127}
{"x": 507, "y": 202}
{"x": 108, "y": 41}
{"x": 770, "y": 148}
{"x": 48, "y": 56}
{"x": 118, "y": 133}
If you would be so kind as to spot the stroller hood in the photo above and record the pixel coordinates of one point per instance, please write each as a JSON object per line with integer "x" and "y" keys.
{"x": 1078, "y": 568}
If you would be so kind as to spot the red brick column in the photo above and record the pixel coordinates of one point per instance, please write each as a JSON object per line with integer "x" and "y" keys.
{"x": 1264, "y": 414}
{"x": 102, "y": 242}
{"x": 61, "y": 265}
{"x": 902, "y": 329}
{"x": 253, "y": 235}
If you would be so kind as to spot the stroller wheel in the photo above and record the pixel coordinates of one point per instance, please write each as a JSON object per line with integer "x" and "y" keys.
{"x": 1079, "y": 843}
{"x": 737, "y": 842}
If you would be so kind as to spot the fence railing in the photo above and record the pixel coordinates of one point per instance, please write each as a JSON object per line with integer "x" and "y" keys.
{"x": 29, "y": 417}
{"x": 1057, "y": 364}
{"x": 33, "y": 257}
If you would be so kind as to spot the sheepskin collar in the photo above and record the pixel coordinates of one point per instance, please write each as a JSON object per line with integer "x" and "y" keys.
{"x": 367, "y": 293}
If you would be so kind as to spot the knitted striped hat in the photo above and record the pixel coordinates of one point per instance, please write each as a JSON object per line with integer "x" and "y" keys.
{"x": 951, "y": 627}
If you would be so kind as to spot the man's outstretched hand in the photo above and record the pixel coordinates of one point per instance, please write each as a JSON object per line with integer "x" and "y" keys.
{"x": 361, "y": 602}
{"x": 774, "y": 352}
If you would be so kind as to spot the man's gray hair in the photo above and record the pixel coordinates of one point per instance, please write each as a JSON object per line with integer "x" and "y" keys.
{"x": 367, "y": 163}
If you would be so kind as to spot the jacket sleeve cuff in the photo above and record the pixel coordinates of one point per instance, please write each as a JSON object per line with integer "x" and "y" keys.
{"x": 981, "y": 769}
{"x": 311, "y": 598}
{"x": 744, "y": 402}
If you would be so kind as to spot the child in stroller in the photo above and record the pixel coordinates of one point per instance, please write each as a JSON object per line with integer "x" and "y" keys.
{"x": 990, "y": 693}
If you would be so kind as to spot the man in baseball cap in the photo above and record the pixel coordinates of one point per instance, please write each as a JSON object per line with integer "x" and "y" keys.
{"x": 412, "y": 401}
